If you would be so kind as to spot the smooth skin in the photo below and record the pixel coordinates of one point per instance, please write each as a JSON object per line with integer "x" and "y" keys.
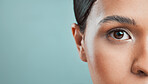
{"x": 112, "y": 59}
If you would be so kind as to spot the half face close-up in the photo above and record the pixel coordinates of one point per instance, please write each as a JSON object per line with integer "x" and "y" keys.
{"x": 115, "y": 41}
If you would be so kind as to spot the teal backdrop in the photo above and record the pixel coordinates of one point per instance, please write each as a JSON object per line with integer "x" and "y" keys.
{"x": 36, "y": 43}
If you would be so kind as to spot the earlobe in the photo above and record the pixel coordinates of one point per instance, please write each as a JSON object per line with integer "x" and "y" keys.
{"x": 82, "y": 54}
{"x": 78, "y": 36}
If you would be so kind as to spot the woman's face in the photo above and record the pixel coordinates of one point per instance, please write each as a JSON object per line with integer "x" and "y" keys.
{"x": 115, "y": 43}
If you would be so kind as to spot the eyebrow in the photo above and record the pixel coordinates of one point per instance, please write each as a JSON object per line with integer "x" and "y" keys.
{"x": 119, "y": 19}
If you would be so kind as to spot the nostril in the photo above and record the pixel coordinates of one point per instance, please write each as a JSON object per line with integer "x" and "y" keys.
{"x": 141, "y": 73}
{"x": 139, "y": 68}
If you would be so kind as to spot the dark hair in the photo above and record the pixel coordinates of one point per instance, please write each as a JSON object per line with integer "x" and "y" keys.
{"x": 82, "y": 9}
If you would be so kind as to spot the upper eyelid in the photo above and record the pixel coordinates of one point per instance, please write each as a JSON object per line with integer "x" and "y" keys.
{"x": 118, "y": 28}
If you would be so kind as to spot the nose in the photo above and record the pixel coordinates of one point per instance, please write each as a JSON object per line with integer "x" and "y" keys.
{"x": 140, "y": 63}
{"x": 140, "y": 67}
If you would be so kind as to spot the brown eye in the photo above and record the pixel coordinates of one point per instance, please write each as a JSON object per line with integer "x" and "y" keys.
{"x": 119, "y": 35}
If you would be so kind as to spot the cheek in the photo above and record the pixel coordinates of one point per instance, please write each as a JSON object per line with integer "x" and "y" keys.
{"x": 110, "y": 62}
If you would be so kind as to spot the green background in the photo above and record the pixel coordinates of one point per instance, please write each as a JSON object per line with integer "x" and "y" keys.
{"x": 36, "y": 43}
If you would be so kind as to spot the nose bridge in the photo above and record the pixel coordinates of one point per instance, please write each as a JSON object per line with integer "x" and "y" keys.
{"x": 143, "y": 45}
{"x": 143, "y": 51}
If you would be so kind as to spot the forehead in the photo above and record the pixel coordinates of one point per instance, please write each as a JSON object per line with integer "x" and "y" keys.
{"x": 136, "y": 9}
{"x": 132, "y": 6}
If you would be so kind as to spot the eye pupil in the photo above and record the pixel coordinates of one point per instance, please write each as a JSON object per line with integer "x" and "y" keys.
{"x": 118, "y": 34}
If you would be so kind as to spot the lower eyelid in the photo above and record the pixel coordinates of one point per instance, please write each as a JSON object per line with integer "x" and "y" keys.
{"x": 117, "y": 41}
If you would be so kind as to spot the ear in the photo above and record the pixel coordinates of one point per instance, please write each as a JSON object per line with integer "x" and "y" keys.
{"x": 78, "y": 36}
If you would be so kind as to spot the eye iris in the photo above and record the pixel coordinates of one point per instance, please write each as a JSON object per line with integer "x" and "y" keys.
{"x": 118, "y": 34}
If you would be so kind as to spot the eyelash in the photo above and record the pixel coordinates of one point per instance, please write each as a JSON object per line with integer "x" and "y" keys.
{"x": 115, "y": 30}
